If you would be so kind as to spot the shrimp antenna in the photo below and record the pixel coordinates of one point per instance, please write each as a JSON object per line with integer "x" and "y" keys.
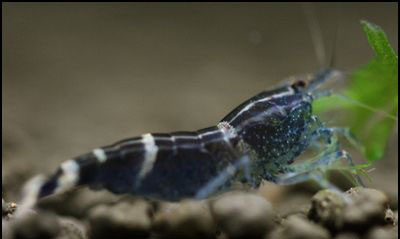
{"x": 316, "y": 34}
{"x": 332, "y": 60}
{"x": 367, "y": 107}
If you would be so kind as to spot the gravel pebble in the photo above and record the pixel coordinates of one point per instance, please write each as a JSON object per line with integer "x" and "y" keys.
{"x": 298, "y": 227}
{"x": 122, "y": 220}
{"x": 242, "y": 215}
{"x": 7, "y": 209}
{"x": 71, "y": 229}
{"x": 77, "y": 203}
{"x": 387, "y": 232}
{"x": 347, "y": 235}
{"x": 297, "y": 203}
{"x": 35, "y": 225}
{"x": 391, "y": 217}
{"x": 187, "y": 219}
{"x": 366, "y": 209}
{"x": 327, "y": 209}
{"x": 6, "y": 231}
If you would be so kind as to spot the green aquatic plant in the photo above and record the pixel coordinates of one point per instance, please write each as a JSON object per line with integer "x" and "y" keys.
{"x": 371, "y": 98}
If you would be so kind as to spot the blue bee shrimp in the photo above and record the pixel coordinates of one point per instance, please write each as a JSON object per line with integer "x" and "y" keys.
{"x": 258, "y": 140}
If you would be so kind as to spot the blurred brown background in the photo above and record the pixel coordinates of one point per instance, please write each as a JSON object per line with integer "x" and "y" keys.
{"x": 81, "y": 75}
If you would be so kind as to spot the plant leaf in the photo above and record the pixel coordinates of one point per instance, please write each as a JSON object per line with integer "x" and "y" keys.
{"x": 378, "y": 41}
{"x": 375, "y": 86}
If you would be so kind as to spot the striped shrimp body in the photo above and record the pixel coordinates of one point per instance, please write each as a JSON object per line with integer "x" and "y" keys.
{"x": 165, "y": 166}
{"x": 259, "y": 140}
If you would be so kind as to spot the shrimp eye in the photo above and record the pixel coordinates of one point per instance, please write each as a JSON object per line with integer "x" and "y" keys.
{"x": 299, "y": 84}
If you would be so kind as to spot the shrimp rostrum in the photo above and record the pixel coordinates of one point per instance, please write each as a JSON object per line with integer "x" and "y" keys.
{"x": 259, "y": 140}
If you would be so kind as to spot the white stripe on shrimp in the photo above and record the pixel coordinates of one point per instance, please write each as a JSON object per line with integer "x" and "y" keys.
{"x": 69, "y": 177}
{"x": 100, "y": 155}
{"x": 289, "y": 91}
{"x": 151, "y": 150}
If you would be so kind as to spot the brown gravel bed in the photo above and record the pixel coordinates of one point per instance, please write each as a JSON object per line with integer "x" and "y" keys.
{"x": 89, "y": 214}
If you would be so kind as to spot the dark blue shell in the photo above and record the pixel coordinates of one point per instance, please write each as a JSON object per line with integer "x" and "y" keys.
{"x": 273, "y": 128}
